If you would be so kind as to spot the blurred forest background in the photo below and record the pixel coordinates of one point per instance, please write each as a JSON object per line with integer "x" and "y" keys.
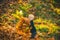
{"x": 47, "y": 18}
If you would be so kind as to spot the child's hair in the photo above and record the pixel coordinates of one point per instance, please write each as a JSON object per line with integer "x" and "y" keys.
{"x": 31, "y": 16}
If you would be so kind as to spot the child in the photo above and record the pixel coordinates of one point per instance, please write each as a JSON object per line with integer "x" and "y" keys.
{"x": 33, "y": 30}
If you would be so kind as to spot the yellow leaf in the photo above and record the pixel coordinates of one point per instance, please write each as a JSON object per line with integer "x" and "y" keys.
{"x": 16, "y": 16}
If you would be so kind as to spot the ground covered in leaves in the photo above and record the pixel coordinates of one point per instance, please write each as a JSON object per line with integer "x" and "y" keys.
{"x": 7, "y": 33}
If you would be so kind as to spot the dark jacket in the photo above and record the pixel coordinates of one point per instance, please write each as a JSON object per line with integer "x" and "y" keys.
{"x": 33, "y": 30}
